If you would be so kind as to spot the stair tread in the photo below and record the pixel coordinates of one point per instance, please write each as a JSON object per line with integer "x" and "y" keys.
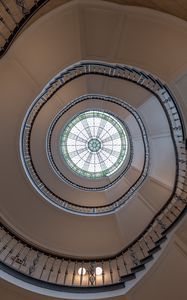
{"x": 161, "y": 240}
{"x": 154, "y": 250}
{"x": 146, "y": 259}
{"x": 138, "y": 268}
{"x": 128, "y": 277}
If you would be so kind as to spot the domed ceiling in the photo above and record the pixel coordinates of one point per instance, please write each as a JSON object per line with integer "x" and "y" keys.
{"x": 47, "y": 123}
{"x": 16, "y": 14}
{"x": 96, "y": 143}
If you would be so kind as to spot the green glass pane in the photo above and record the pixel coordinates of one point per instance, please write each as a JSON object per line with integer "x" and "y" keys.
{"x": 94, "y": 144}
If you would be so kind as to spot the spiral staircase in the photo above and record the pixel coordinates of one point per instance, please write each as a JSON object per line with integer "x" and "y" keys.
{"x": 66, "y": 235}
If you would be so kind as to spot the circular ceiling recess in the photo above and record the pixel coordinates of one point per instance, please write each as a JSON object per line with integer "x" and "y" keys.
{"x": 94, "y": 144}
{"x": 86, "y": 140}
{"x": 90, "y": 168}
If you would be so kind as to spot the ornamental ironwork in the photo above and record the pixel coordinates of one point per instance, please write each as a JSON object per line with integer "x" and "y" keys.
{"x": 146, "y": 81}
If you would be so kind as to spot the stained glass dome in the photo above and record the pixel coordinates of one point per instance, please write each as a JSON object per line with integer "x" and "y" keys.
{"x": 94, "y": 144}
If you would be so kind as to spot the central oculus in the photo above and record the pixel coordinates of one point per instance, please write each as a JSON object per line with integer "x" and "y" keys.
{"x": 94, "y": 144}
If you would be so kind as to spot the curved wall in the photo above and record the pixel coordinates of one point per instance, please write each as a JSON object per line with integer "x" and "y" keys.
{"x": 60, "y": 38}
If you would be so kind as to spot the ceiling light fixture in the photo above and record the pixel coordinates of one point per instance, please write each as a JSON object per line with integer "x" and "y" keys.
{"x": 82, "y": 271}
{"x": 98, "y": 271}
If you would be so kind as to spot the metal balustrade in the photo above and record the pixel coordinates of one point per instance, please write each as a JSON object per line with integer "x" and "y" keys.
{"x": 14, "y": 14}
{"x": 123, "y": 105}
{"x": 63, "y": 271}
{"x": 58, "y": 271}
{"x": 145, "y": 80}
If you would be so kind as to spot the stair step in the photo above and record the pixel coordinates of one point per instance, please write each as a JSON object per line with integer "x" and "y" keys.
{"x": 138, "y": 268}
{"x": 128, "y": 277}
{"x": 146, "y": 259}
{"x": 161, "y": 240}
{"x": 154, "y": 250}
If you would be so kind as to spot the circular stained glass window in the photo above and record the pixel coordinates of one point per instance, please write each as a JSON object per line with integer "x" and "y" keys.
{"x": 94, "y": 144}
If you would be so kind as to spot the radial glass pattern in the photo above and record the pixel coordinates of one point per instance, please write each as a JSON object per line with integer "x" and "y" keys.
{"x": 94, "y": 144}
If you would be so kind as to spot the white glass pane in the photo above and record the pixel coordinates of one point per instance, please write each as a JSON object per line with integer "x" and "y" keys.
{"x": 93, "y": 144}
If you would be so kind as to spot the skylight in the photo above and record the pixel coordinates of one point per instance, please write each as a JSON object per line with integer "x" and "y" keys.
{"x": 94, "y": 144}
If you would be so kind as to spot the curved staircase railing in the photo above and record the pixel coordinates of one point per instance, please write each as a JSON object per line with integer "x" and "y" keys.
{"x": 13, "y": 17}
{"x": 146, "y": 81}
{"x": 59, "y": 272}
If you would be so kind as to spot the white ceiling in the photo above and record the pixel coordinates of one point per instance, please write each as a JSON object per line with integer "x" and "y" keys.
{"x": 79, "y": 31}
